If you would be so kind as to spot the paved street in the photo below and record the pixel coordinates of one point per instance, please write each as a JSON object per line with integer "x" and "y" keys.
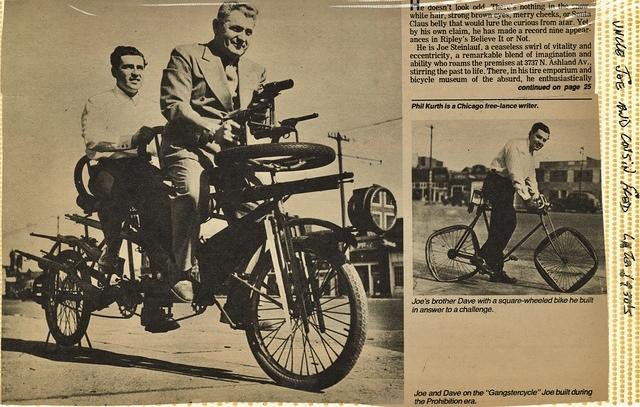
{"x": 203, "y": 361}
{"x": 428, "y": 218}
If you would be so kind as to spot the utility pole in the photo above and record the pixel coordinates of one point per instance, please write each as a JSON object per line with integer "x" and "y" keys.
{"x": 339, "y": 138}
{"x": 430, "y": 178}
{"x": 581, "y": 167}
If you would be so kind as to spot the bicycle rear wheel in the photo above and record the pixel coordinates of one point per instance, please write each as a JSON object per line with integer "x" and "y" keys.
{"x": 566, "y": 260}
{"x": 451, "y": 253}
{"x": 65, "y": 309}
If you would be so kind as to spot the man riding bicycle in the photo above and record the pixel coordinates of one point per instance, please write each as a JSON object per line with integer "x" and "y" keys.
{"x": 114, "y": 124}
{"x": 511, "y": 171}
{"x": 200, "y": 86}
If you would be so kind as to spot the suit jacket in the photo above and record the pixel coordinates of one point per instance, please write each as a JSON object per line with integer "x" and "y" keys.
{"x": 194, "y": 95}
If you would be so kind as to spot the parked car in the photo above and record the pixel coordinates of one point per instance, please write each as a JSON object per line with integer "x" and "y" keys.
{"x": 579, "y": 202}
{"x": 558, "y": 204}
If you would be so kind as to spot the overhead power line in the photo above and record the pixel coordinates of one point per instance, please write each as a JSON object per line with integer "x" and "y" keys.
{"x": 357, "y": 157}
{"x": 364, "y": 126}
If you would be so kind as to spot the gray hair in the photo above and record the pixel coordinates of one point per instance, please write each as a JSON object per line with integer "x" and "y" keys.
{"x": 228, "y": 6}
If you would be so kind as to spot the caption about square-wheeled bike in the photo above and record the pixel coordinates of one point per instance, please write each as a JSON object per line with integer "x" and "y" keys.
{"x": 485, "y": 305}
{"x": 447, "y": 396}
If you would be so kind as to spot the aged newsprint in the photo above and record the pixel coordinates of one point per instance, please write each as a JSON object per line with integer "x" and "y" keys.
{"x": 373, "y": 202}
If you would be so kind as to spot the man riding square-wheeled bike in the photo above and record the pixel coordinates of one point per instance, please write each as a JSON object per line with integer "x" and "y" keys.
{"x": 303, "y": 306}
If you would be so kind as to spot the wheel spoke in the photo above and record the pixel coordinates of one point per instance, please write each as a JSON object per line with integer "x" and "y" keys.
{"x": 337, "y": 306}
{"x": 325, "y": 344}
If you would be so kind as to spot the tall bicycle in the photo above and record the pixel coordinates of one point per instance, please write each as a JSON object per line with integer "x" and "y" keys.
{"x": 564, "y": 258}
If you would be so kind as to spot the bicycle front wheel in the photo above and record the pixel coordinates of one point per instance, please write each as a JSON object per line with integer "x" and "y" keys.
{"x": 566, "y": 260}
{"x": 319, "y": 355}
{"x": 452, "y": 252}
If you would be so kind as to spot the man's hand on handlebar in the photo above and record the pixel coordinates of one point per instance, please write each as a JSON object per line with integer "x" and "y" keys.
{"x": 144, "y": 135}
{"x": 223, "y": 134}
{"x": 538, "y": 202}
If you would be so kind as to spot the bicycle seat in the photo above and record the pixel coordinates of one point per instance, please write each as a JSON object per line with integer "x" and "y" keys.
{"x": 85, "y": 200}
{"x": 478, "y": 198}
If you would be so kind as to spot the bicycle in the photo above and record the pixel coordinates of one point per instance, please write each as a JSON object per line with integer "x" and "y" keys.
{"x": 304, "y": 306}
{"x": 565, "y": 259}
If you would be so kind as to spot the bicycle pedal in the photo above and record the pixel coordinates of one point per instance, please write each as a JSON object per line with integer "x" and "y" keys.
{"x": 484, "y": 271}
{"x": 114, "y": 279}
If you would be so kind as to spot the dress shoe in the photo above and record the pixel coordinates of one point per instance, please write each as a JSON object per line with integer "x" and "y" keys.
{"x": 162, "y": 326}
{"x": 502, "y": 277}
{"x": 269, "y": 325}
{"x": 183, "y": 290}
{"x": 481, "y": 265}
{"x": 156, "y": 320}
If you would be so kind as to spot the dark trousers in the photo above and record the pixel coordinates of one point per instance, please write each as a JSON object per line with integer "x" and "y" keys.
{"x": 499, "y": 192}
{"x": 125, "y": 182}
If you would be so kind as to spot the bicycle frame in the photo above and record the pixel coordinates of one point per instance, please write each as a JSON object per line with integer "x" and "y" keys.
{"x": 482, "y": 211}
{"x": 229, "y": 252}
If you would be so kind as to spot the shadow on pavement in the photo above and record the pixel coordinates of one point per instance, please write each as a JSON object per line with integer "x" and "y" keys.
{"x": 424, "y": 283}
{"x": 102, "y": 357}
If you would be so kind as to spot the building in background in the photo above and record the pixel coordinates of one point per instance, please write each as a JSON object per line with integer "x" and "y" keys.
{"x": 429, "y": 180}
{"x": 557, "y": 179}
{"x": 461, "y": 184}
{"x": 378, "y": 260}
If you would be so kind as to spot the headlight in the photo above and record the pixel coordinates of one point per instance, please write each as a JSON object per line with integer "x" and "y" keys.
{"x": 373, "y": 209}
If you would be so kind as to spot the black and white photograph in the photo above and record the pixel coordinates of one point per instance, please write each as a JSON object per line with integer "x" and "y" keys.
{"x": 202, "y": 202}
{"x": 508, "y": 207}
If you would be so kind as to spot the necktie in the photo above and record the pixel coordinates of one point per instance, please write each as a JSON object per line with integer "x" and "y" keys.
{"x": 232, "y": 79}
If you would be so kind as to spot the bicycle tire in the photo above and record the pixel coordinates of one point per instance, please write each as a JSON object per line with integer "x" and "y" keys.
{"x": 439, "y": 250}
{"x": 277, "y": 157}
{"x": 572, "y": 266}
{"x": 64, "y": 307}
{"x": 341, "y": 343}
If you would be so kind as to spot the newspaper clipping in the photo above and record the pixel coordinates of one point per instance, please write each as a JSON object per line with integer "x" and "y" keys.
{"x": 375, "y": 202}
{"x": 501, "y": 110}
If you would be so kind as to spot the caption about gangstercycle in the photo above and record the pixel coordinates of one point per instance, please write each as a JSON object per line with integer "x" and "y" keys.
{"x": 446, "y": 396}
{"x": 485, "y": 305}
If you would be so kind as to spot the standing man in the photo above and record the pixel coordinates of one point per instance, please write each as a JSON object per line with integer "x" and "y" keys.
{"x": 114, "y": 124}
{"x": 201, "y": 84}
{"x": 512, "y": 170}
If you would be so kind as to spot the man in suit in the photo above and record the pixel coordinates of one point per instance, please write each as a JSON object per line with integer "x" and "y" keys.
{"x": 200, "y": 86}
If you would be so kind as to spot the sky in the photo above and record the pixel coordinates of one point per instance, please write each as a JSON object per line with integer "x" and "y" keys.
{"x": 463, "y": 143}
{"x": 55, "y": 55}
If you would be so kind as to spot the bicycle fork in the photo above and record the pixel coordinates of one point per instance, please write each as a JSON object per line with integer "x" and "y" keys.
{"x": 289, "y": 273}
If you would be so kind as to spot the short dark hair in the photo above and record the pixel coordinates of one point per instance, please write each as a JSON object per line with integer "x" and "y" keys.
{"x": 119, "y": 52}
{"x": 539, "y": 126}
{"x": 227, "y": 7}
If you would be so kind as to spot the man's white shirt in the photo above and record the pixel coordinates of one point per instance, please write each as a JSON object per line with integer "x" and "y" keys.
{"x": 112, "y": 118}
{"x": 516, "y": 162}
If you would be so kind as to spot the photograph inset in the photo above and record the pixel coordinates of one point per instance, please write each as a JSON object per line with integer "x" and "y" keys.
{"x": 507, "y": 207}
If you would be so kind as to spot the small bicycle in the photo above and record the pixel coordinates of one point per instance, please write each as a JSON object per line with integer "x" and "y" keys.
{"x": 564, "y": 258}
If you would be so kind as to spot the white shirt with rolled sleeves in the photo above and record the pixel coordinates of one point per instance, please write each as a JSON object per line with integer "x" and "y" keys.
{"x": 516, "y": 162}
{"x": 111, "y": 119}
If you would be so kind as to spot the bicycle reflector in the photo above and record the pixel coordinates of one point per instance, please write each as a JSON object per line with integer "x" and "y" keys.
{"x": 373, "y": 209}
